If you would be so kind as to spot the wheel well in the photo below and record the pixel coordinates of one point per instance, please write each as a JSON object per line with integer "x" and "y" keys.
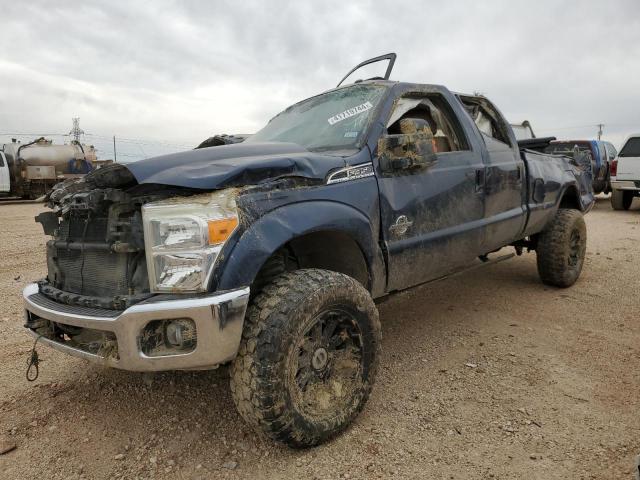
{"x": 328, "y": 250}
{"x": 570, "y": 199}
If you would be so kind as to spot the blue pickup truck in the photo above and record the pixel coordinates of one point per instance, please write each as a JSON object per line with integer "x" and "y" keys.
{"x": 270, "y": 253}
{"x": 601, "y": 154}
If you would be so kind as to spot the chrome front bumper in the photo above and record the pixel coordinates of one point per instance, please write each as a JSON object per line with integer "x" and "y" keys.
{"x": 218, "y": 319}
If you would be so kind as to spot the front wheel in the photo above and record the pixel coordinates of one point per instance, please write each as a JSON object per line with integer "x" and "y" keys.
{"x": 308, "y": 356}
{"x": 561, "y": 249}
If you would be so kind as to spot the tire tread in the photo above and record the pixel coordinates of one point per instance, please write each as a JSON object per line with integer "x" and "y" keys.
{"x": 551, "y": 251}
{"x": 258, "y": 400}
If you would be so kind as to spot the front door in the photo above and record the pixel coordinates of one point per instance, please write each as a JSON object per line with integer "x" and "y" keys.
{"x": 432, "y": 218}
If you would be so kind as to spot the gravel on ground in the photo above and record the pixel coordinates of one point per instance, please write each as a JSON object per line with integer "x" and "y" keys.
{"x": 489, "y": 374}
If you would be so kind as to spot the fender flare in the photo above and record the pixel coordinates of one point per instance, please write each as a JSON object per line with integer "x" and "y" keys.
{"x": 584, "y": 204}
{"x": 278, "y": 227}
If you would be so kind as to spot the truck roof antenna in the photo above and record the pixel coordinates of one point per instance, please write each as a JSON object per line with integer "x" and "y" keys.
{"x": 389, "y": 56}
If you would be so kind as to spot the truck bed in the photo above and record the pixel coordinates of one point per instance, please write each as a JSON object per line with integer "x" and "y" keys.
{"x": 549, "y": 176}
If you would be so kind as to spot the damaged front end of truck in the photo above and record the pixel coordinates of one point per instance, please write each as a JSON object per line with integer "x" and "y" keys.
{"x": 132, "y": 252}
{"x": 97, "y": 300}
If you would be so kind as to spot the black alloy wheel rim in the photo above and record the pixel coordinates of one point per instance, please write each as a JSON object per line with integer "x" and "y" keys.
{"x": 575, "y": 242}
{"x": 327, "y": 364}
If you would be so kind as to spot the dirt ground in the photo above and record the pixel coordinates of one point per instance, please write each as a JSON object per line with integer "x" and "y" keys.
{"x": 486, "y": 375}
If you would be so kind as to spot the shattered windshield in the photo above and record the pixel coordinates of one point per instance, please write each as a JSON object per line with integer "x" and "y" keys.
{"x": 331, "y": 121}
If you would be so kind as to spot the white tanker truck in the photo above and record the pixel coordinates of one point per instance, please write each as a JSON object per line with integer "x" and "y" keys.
{"x": 29, "y": 170}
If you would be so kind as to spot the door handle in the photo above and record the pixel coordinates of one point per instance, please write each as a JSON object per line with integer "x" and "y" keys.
{"x": 480, "y": 179}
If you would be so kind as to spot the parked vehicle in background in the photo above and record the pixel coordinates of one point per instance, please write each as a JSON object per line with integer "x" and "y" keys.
{"x": 612, "y": 154}
{"x": 270, "y": 252}
{"x": 597, "y": 150}
{"x": 223, "y": 139}
{"x": 29, "y": 170}
{"x": 523, "y": 131}
{"x": 625, "y": 174}
{"x": 5, "y": 184}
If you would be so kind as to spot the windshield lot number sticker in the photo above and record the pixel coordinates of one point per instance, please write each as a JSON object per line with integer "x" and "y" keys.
{"x": 350, "y": 112}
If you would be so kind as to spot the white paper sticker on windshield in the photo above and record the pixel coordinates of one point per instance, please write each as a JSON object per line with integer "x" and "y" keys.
{"x": 350, "y": 113}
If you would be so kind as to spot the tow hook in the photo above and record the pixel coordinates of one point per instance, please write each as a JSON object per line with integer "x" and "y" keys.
{"x": 33, "y": 363}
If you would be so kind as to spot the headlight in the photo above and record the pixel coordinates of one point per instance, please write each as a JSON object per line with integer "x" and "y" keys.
{"x": 183, "y": 236}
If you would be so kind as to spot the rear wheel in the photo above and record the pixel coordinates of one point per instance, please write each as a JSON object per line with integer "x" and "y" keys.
{"x": 599, "y": 186}
{"x": 627, "y": 200}
{"x": 621, "y": 199}
{"x": 308, "y": 356}
{"x": 561, "y": 249}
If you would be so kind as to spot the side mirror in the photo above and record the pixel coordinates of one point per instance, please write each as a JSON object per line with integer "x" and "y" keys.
{"x": 406, "y": 152}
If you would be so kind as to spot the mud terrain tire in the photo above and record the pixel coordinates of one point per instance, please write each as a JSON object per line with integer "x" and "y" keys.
{"x": 308, "y": 356}
{"x": 561, "y": 249}
{"x": 621, "y": 200}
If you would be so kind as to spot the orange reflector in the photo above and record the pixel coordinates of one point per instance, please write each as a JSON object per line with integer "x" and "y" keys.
{"x": 219, "y": 230}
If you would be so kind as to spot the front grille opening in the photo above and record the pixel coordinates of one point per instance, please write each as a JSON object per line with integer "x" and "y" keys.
{"x": 92, "y": 272}
{"x": 161, "y": 338}
{"x": 97, "y": 342}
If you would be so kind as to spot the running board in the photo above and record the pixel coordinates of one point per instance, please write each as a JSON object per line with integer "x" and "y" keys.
{"x": 475, "y": 266}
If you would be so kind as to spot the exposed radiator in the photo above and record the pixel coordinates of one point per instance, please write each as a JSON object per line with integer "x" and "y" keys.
{"x": 103, "y": 273}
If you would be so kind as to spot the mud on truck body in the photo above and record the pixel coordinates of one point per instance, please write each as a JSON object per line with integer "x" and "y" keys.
{"x": 269, "y": 253}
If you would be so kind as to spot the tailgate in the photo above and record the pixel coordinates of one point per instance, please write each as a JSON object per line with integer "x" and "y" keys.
{"x": 629, "y": 159}
{"x": 628, "y": 168}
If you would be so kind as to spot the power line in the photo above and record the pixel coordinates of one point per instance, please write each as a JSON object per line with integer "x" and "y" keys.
{"x": 591, "y": 125}
{"x": 574, "y": 127}
{"x": 133, "y": 141}
{"x": 140, "y": 141}
{"x": 19, "y": 134}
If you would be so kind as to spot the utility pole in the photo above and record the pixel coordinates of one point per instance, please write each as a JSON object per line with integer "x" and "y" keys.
{"x": 76, "y": 131}
{"x": 115, "y": 157}
{"x": 600, "y": 127}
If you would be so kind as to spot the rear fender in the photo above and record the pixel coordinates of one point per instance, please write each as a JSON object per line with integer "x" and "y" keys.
{"x": 572, "y": 196}
{"x": 569, "y": 195}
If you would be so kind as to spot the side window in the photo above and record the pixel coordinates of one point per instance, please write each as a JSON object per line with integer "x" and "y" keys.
{"x": 1, "y": 159}
{"x": 486, "y": 118}
{"x": 631, "y": 148}
{"x": 435, "y": 114}
{"x": 611, "y": 150}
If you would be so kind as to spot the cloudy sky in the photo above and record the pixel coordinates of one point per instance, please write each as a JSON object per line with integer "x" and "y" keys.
{"x": 165, "y": 75}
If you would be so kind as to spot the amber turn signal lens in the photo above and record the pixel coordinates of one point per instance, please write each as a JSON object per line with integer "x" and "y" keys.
{"x": 219, "y": 230}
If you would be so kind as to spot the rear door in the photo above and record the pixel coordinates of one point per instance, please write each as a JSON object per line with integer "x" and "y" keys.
{"x": 505, "y": 196}
{"x": 629, "y": 160}
{"x": 4, "y": 174}
{"x": 432, "y": 218}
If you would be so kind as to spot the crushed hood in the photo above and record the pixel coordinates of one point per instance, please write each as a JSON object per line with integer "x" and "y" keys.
{"x": 234, "y": 165}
